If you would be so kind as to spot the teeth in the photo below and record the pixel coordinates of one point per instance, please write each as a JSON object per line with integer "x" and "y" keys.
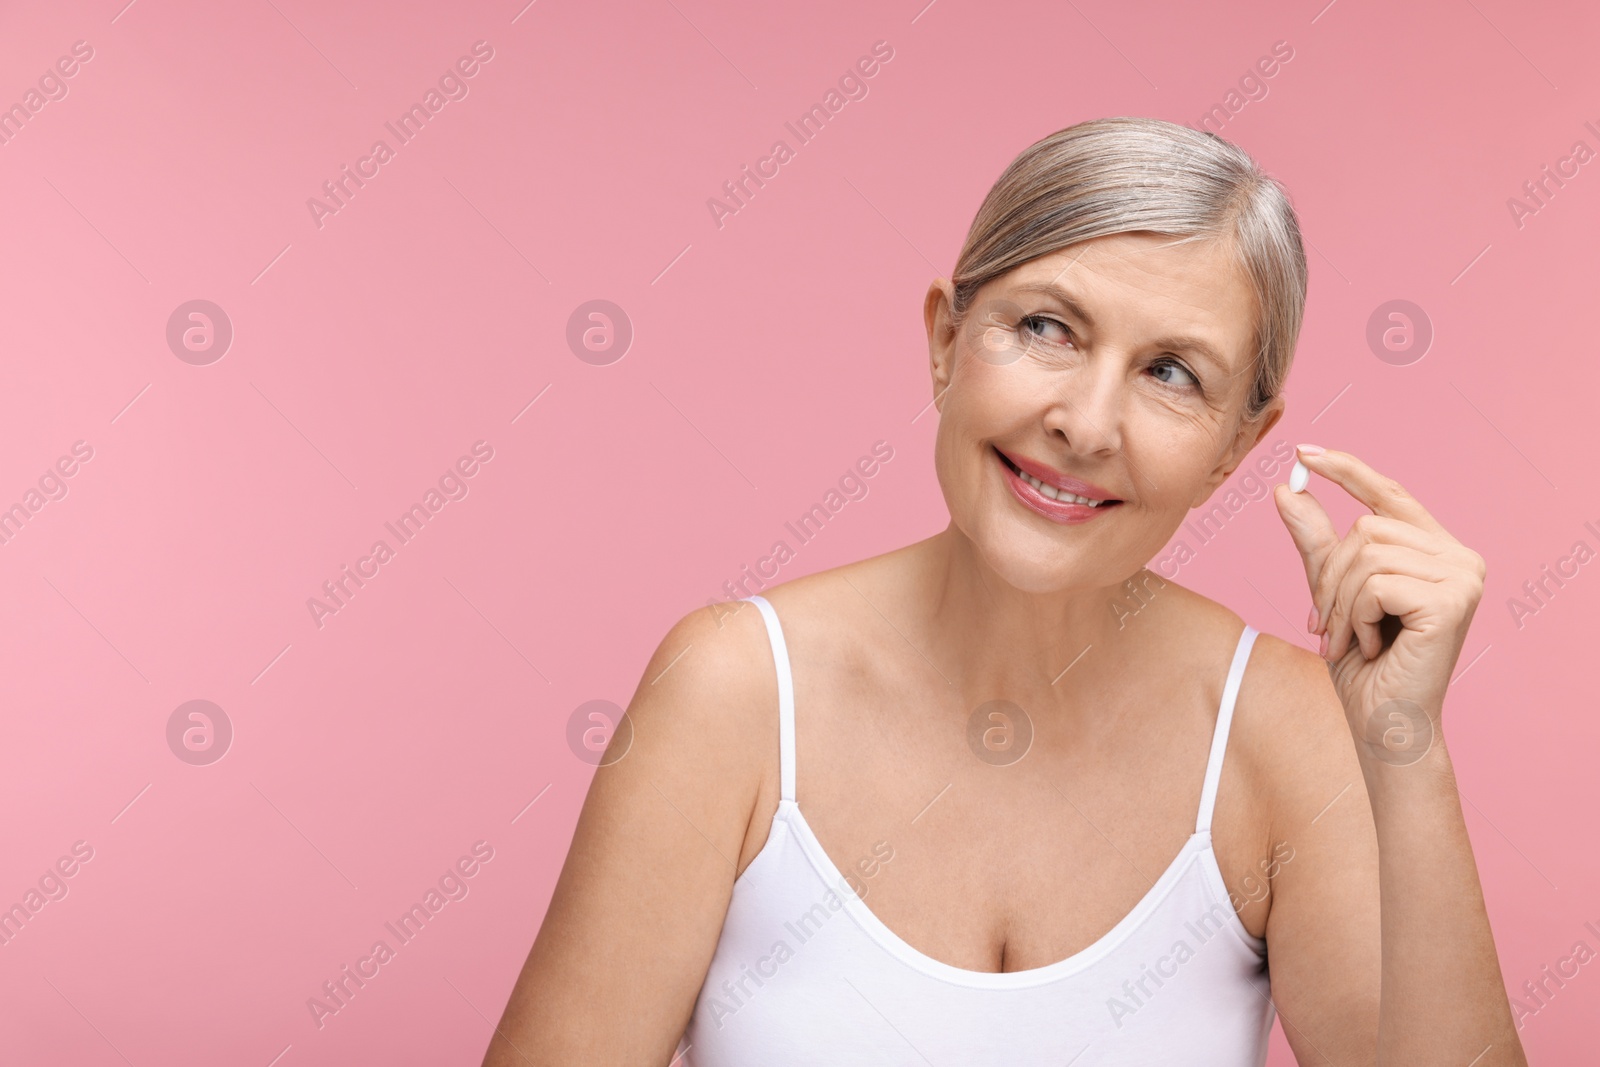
{"x": 1057, "y": 494}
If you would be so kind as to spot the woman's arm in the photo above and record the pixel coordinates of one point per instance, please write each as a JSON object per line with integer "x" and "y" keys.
{"x": 1444, "y": 999}
{"x": 1323, "y": 919}
{"x": 637, "y": 911}
{"x": 1393, "y": 600}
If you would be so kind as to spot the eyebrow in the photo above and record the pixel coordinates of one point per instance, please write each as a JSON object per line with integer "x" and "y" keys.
{"x": 1191, "y": 344}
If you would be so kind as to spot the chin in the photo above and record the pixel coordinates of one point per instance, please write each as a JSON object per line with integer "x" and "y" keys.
{"x": 1032, "y": 561}
{"x": 1033, "y": 565}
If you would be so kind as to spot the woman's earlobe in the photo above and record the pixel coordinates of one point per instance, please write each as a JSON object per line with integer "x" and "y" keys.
{"x": 941, "y": 377}
{"x": 1213, "y": 482}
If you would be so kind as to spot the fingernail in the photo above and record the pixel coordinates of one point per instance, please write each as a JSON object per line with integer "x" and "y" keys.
{"x": 1311, "y": 620}
{"x": 1323, "y": 649}
{"x": 1299, "y": 477}
{"x": 1309, "y": 450}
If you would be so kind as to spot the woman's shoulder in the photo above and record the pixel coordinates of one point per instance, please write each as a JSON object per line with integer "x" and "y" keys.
{"x": 1289, "y": 733}
{"x": 1289, "y": 751}
{"x": 1285, "y": 711}
{"x": 1278, "y": 671}
{"x": 830, "y": 600}
{"x": 716, "y": 656}
{"x": 708, "y": 699}
{"x": 720, "y": 658}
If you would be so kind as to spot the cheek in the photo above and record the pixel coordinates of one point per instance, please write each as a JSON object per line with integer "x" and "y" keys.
{"x": 953, "y": 456}
{"x": 1170, "y": 452}
{"x": 1177, "y": 483}
{"x": 995, "y": 399}
{"x": 977, "y": 404}
{"x": 971, "y": 415}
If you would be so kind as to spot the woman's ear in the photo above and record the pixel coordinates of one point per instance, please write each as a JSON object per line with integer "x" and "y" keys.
{"x": 936, "y": 316}
{"x": 1250, "y": 434}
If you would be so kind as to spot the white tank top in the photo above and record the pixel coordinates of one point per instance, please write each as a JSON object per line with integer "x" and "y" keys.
{"x": 805, "y": 973}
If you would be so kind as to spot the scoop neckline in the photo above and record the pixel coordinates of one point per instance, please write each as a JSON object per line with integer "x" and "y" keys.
{"x": 1197, "y": 847}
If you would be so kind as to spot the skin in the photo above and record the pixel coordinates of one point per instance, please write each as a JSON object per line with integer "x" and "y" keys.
{"x": 1331, "y": 843}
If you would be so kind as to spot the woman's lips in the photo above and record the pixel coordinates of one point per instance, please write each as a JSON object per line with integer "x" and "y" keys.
{"x": 1064, "y": 512}
{"x": 1052, "y": 477}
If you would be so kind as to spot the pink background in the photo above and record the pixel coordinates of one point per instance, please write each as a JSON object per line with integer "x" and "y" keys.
{"x": 768, "y": 354}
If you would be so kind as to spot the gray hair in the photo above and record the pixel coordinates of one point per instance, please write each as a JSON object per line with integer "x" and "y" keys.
{"x": 1131, "y": 174}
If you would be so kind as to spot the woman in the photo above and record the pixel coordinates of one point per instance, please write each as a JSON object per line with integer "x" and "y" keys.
{"x": 1049, "y": 816}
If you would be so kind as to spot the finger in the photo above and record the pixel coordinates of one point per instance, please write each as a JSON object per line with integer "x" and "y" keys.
{"x": 1309, "y": 527}
{"x": 1385, "y": 530}
{"x": 1367, "y": 530}
{"x": 1400, "y": 595}
{"x": 1370, "y": 562}
{"x": 1382, "y": 494}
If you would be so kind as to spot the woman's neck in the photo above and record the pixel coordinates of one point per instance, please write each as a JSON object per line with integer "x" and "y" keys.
{"x": 989, "y": 637}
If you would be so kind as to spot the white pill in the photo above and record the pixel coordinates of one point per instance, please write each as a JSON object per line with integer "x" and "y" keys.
{"x": 1299, "y": 477}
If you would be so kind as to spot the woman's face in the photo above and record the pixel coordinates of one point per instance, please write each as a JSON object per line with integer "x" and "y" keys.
{"x": 1119, "y": 369}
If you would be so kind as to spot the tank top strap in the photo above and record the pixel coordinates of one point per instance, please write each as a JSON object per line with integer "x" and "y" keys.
{"x": 1219, "y": 739}
{"x": 780, "y": 659}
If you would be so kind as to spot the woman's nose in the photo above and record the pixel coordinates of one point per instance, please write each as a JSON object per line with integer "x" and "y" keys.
{"x": 1086, "y": 408}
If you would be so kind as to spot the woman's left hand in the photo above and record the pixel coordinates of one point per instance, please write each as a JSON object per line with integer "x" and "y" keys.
{"x": 1393, "y": 599}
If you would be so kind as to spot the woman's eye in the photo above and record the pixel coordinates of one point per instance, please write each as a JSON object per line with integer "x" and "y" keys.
{"x": 1045, "y": 329}
{"x": 1185, "y": 381}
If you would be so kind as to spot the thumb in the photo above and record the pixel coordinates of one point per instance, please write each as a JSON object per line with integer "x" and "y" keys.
{"x": 1309, "y": 527}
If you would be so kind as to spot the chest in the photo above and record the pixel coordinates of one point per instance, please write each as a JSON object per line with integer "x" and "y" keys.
{"x": 999, "y": 841}
{"x": 804, "y": 972}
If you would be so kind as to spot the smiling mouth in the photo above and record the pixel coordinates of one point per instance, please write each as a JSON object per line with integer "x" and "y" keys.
{"x": 1049, "y": 491}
